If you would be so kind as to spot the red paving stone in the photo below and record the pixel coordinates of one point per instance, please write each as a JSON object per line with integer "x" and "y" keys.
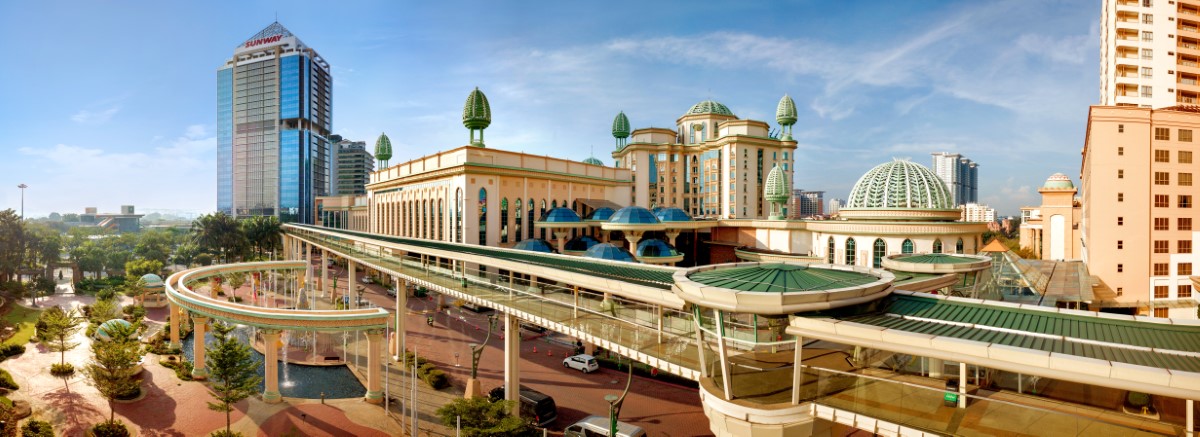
{"x": 314, "y": 420}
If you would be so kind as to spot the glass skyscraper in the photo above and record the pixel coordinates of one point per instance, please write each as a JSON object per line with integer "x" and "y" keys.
{"x": 274, "y": 118}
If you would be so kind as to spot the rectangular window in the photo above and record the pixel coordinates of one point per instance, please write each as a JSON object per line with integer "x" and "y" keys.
{"x": 1120, "y": 221}
{"x": 1162, "y": 155}
{"x": 1120, "y": 197}
{"x": 1161, "y": 269}
{"x": 1162, "y": 201}
{"x": 1183, "y": 290}
{"x": 1185, "y": 135}
{"x": 1120, "y": 268}
{"x": 1161, "y": 292}
{"x": 1162, "y": 224}
{"x": 1148, "y": 18}
{"x": 1183, "y": 246}
{"x": 1120, "y": 151}
{"x": 1185, "y": 179}
{"x": 1162, "y": 246}
{"x": 1162, "y": 133}
{"x": 1147, "y": 3}
{"x": 1120, "y": 174}
{"x": 1185, "y": 224}
{"x": 1147, "y": 72}
{"x": 1183, "y": 269}
{"x": 1147, "y": 54}
{"x": 1185, "y": 157}
{"x": 1161, "y": 313}
{"x": 1120, "y": 128}
{"x": 1147, "y": 91}
{"x": 1162, "y": 178}
{"x": 1185, "y": 201}
{"x": 1147, "y": 36}
{"x": 1120, "y": 244}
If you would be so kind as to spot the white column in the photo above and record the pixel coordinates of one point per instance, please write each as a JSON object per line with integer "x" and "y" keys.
{"x": 374, "y": 352}
{"x": 271, "y": 363}
{"x": 797, "y": 370}
{"x": 1191, "y": 420}
{"x": 324, "y": 272}
{"x": 351, "y": 266}
{"x": 512, "y": 361}
{"x": 401, "y": 309}
{"x": 962, "y": 385}
{"x": 935, "y": 368}
{"x": 198, "y": 369}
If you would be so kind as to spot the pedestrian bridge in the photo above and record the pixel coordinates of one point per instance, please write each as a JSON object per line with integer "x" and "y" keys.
{"x": 741, "y": 331}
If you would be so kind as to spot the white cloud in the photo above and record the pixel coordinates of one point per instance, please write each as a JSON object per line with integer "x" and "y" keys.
{"x": 85, "y": 116}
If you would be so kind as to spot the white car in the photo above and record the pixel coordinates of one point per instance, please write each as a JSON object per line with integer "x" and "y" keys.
{"x": 582, "y": 362}
{"x": 367, "y": 280}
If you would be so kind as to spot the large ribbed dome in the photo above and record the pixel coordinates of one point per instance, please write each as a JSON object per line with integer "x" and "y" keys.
{"x": 1058, "y": 181}
{"x": 709, "y": 107}
{"x": 785, "y": 113}
{"x": 477, "y": 114}
{"x": 777, "y": 188}
{"x": 900, "y": 184}
{"x": 383, "y": 148}
{"x": 620, "y": 127}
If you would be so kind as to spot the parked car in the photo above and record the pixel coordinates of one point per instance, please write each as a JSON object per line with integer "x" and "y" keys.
{"x": 367, "y": 280}
{"x": 582, "y": 362}
{"x": 535, "y": 405}
{"x": 598, "y": 426}
{"x": 533, "y": 328}
{"x": 391, "y": 291}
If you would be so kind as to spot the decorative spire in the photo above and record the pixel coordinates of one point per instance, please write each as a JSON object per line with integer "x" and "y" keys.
{"x": 778, "y": 191}
{"x": 383, "y": 150}
{"x": 620, "y": 129}
{"x": 785, "y": 114}
{"x": 477, "y": 115}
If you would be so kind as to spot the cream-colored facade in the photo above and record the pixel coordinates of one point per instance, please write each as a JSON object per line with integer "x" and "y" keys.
{"x": 1139, "y": 210}
{"x": 343, "y": 212}
{"x": 1053, "y": 229}
{"x": 712, "y": 165}
{"x": 485, "y": 196}
{"x": 1149, "y": 53}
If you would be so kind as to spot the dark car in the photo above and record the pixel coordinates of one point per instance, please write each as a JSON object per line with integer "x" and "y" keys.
{"x": 535, "y": 405}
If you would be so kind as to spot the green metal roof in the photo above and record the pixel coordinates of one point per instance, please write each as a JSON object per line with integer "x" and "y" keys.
{"x": 1123, "y": 341}
{"x": 936, "y": 258}
{"x": 780, "y": 277}
{"x": 628, "y": 272}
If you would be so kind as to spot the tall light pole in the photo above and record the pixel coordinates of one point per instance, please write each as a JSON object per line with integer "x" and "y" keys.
{"x": 22, "y": 187}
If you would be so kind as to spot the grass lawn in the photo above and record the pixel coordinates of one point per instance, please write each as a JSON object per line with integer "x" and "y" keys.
{"x": 22, "y": 319}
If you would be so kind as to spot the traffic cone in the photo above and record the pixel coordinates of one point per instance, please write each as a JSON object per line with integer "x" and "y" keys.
{"x": 535, "y": 349}
{"x": 549, "y": 353}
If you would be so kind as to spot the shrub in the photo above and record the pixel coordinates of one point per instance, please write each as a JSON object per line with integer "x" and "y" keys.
{"x": 182, "y": 368}
{"x": 436, "y": 379}
{"x": 6, "y": 381}
{"x": 10, "y": 350}
{"x": 235, "y": 299}
{"x": 224, "y": 433}
{"x": 106, "y": 294}
{"x": 37, "y": 428}
{"x": 113, "y": 428}
{"x": 62, "y": 369}
{"x": 1137, "y": 399}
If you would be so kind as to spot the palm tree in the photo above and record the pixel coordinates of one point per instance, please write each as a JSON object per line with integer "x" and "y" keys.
{"x": 219, "y": 233}
{"x": 263, "y": 233}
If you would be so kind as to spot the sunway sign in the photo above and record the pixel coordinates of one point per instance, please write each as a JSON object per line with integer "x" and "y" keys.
{"x": 261, "y": 41}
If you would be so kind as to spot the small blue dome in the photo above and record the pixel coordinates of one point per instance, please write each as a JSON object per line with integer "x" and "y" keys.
{"x": 634, "y": 215}
{"x": 609, "y": 252}
{"x": 534, "y": 245}
{"x": 652, "y": 247}
{"x": 672, "y": 214}
{"x": 107, "y": 329}
{"x": 153, "y": 283}
{"x": 602, "y": 213}
{"x": 581, "y": 243}
{"x": 561, "y": 215}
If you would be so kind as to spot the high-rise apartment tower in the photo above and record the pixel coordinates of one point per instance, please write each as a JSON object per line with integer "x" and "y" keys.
{"x": 352, "y": 168}
{"x": 1149, "y": 53}
{"x": 960, "y": 174}
{"x": 274, "y": 117}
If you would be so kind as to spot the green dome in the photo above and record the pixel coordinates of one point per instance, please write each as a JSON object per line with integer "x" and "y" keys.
{"x": 477, "y": 114}
{"x": 777, "y": 187}
{"x": 383, "y": 148}
{"x": 1058, "y": 181}
{"x": 900, "y": 184}
{"x": 593, "y": 161}
{"x": 785, "y": 113}
{"x": 709, "y": 107}
{"x": 107, "y": 329}
{"x": 620, "y": 128}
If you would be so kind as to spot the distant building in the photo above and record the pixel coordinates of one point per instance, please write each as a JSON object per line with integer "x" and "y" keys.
{"x": 960, "y": 175}
{"x": 974, "y": 212}
{"x": 835, "y": 205}
{"x": 125, "y": 221}
{"x": 352, "y": 168}
{"x": 1052, "y": 229}
{"x": 806, "y": 204}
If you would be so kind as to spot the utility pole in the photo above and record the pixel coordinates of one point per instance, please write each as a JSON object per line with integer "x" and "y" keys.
{"x": 22, "y": 187}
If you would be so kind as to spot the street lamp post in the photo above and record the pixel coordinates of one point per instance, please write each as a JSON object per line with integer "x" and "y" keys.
{"x": 614, "y": 402}
{"x": 22, "y": 187}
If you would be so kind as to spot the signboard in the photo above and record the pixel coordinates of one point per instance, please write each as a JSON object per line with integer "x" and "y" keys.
{"x": 265, "y": 40}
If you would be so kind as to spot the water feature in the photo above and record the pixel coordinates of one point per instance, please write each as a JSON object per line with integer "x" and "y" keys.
{"x": 300, "y": 381}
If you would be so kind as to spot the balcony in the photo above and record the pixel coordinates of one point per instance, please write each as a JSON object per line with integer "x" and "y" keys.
{"x": 1189, "y": 48}
{"x": 1189, "y": 31}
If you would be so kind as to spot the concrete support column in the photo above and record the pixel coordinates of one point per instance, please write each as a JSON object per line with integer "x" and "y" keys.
{"x": 589, "y": 348}
{"x": 962, "y": 385}
{"x": 797, "y": 370}
{"x": 671, "y": 234}
{"x": 271, "y": 363}
{"x": 198, "y": 369}
{"x": 512, "y": 362}
{"x": 174, "y": 327}
{"x": 324, "y": 272}
{"x": 351, "y": 283}
{"x": 723, "y": 355}
{"x": 575, "y": 308}
{"x": 560, "y": 236}
{"x": 1191, "y": 419}
{"x": 401, "y": 309}
{"x": 374, "y": 353}
{"x": 935, "y": 368}
{"x": 633, "y": 237}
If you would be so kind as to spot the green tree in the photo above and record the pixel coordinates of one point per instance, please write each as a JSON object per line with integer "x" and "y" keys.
{"x": 186, "y": 253}
{"x": 235, "y": 280}
{"x": 55, "y": 329}
{"x": 104, "y": 310}
{"x": 263, "y": 234}
{"x": 12, "y": 237}
{"x": 113, "y": 367}
{"x": 204, "y": 259}
{"x": 139, "y": 267}
{"x": 232, "y": 371}
{"x": 153, "y": 245}
{"x": 219, "y": 233}
{"x": 482, "y": 417}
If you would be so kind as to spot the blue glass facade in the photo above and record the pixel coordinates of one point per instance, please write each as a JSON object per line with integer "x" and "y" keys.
{"x": 225, "y": 140}
{"x": 289, "y": 87}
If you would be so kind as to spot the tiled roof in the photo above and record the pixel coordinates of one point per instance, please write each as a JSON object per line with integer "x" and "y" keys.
{"x": 779, "y": 278}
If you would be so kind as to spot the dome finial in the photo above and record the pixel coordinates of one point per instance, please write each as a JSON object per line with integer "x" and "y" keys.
{"x": 477, "y": 115}
{"x": 785, "y": 114}
{"x": 620, "y": 129}
{"x": 778, "y": 191}
{"x": 383, "y": 150}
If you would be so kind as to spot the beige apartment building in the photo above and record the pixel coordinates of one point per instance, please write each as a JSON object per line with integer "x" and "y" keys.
{"x": 1138, "y": 202}
{"x": 1149, "y": 53}
{"x": 1053, "y": 230}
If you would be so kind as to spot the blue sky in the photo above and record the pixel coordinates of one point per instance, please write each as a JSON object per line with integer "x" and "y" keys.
{"x": 110, "y": 103}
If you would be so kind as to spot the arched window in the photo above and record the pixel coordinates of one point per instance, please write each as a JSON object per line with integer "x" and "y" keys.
{"x": 517, "y": 228}
{"x": 483, "y": 217}
{"x": 424, "y": 219}
{"x": 529, "y": 219}
{"x": 553, "y": 204}
{"x": 937, "y": 246}
{"x": 458, "y": 218}
{"x": 504, "y": 220}
{"x": 441, "y": 223}
{"x": 907, "y": 246}
{"x": 543, "y": 214}
{"x": 849, "y": 252}
{"x": 958, "y": 247}
{"x": 832, "y": 249}
{"x": 878, "y": 252}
